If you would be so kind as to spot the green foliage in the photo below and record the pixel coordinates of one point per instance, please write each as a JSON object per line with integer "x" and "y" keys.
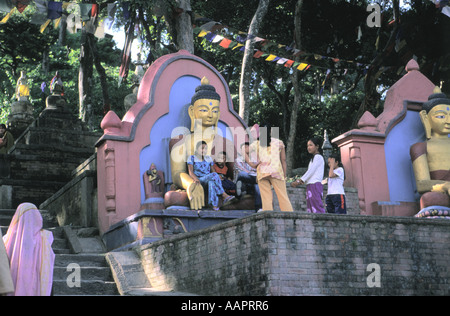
{"x": 329, "y": 28}
{"x": 22, "y": 49}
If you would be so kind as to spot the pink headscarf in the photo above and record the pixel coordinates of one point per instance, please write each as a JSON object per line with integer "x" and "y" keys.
{"x": 30, "y": 253}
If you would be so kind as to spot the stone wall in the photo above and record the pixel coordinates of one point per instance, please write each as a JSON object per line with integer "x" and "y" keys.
{"x": 297, "y": 196}
{"x": 76, "y": 202}
{"x": 277, "y": 253}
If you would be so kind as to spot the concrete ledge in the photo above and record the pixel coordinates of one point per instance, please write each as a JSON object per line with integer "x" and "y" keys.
{"x": 130, "y": 277}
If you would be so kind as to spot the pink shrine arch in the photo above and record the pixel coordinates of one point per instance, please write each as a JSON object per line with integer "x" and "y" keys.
{"x": 129, "y": 146}
{"x": 376, "y": 155}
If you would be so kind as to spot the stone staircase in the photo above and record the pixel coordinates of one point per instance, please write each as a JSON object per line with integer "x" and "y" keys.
{"x": 84, "y": 273}
{"x": 43, "y": 157}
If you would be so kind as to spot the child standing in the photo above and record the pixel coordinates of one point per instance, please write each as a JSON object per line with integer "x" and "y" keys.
{"x": 335, "y": 199}
{"x": 200, "y": 168}
{"x": 313, "y": 178}
{"x": 220, "y": 166}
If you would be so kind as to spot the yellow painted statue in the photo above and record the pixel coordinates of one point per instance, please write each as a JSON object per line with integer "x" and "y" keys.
{"x": 204, "y": 113}
{"x": 22, "y": 88}
{"x": 431, "y": 159}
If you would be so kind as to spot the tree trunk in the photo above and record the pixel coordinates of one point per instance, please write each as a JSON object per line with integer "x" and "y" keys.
{"x": 45, "y": 61}
{"x": 296, "y": 78}
{"x": 183, "y": 27}
{"x": 246, "y": 71}
{"x": 62, "y": 31}
{"x": 101, "y": 72}
{"x": 85, "y": 79}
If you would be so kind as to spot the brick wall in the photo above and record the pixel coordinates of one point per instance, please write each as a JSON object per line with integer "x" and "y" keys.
{"x": 276, "y": 253}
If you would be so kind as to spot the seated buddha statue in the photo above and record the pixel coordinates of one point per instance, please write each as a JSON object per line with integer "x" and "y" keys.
{"x": 204, "y": 112}
{"x": 22, "y": 88}
{"x": 431, "y": 159}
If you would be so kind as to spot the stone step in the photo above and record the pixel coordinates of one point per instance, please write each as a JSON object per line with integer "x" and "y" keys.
{"x": 6, "y": 216}
{"x": 86, "y": 273}
{"x": 7, "y": 212}
{"x": 86, "y": 287}
{"x": 83, "y": 260}
{"x": 5, "y": 220}
{"x": 59, "y": 243}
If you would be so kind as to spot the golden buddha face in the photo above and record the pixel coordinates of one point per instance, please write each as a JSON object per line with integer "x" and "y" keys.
{"x": 439, "y": 118}
{"x": 205, "y": 112}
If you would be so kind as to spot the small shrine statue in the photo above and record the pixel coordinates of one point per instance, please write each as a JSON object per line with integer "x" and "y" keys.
{"x": 155, "y": 179}
{"x": 154, "y": 187}
{"x": 22, "y": 88}
{"x": 431, "y": 159}
{"x": 56, "y": 85}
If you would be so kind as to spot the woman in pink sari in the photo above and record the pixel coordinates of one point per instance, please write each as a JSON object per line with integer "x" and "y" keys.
{"x": 30, "y": 254}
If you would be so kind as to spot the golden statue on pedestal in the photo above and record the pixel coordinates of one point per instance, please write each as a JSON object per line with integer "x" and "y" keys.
{"x": 204, "y": 113}
{"x": 431, "y": 159}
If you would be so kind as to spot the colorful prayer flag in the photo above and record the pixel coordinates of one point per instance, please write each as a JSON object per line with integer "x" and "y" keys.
{"x": 217, "y": 38}
{"x": 203, "y": 33}
{"x": 210, "y": 36}
{"x": 54, "y": 10}
{"x": 271, "y": 57}
{"x": 289, "y": 63}
{"x": 44, "y": 26}
{"x": 238, "y": 45}
{"x": 6, "y": 17}
{"x": 302, "y": 66}
{"x": 225, "y": 43}
{"x": 258, "y": 54}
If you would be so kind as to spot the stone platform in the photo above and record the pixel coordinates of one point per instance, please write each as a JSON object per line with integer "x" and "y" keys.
{"x": 278, "y": 253}
{"x": 148, "y": 226}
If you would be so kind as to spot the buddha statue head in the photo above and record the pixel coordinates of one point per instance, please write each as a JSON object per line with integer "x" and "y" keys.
{"x": 435, "y": 115}
{"x": 204, "y": 110}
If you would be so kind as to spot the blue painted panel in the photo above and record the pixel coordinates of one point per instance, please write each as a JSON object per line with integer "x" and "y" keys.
{"x": 157, "y": 152}
{"x": 402, "y": 184}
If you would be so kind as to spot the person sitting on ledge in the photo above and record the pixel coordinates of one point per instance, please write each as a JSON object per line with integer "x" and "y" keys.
{"x": 431, "y": 159}
{"x": 201, "y": 170}
{"x": 222, "y": 170}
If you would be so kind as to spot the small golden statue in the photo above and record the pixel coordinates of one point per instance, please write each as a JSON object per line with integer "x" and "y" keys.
{"x": 22, "y": 88}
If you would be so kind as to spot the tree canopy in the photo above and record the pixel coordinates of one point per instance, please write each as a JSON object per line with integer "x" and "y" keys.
{"x": 351, "y": 65}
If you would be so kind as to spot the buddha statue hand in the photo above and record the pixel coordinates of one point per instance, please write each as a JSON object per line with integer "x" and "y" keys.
{"x": 196, "y": 195}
